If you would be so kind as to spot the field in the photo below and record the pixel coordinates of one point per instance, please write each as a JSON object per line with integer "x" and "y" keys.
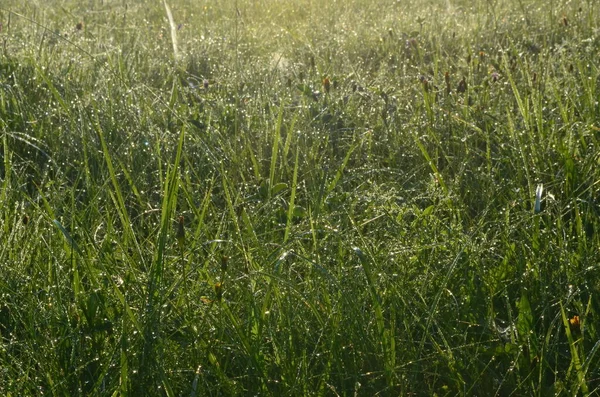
{"x": 299, "y": 198}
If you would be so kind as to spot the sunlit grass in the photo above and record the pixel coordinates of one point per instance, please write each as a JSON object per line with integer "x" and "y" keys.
{"x": 299, "y": 198}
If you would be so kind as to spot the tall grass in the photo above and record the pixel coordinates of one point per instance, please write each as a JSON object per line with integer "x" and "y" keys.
{"x": 299, "y": 198}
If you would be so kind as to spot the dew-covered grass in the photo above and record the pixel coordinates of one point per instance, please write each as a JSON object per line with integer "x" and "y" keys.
{"x": 301, "y": 197}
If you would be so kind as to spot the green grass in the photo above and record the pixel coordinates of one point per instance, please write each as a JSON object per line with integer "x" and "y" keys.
{"x": 373, "y": 236}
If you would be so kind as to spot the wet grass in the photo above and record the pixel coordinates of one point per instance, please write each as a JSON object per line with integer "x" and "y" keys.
{"x": 299, "y": 198}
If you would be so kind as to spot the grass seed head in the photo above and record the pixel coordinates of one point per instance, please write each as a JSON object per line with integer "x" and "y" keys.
{"x": 462, "y": 86}
{"x": 326, "y": 85}
{"x": 224, "y": 263}
{"x": 425, "y": 82}
{"x": 575, "y": 322}
{"x": 219, "y": 291}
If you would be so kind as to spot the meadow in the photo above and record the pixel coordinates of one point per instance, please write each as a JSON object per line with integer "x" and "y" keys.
{"x": 299, "y": 198}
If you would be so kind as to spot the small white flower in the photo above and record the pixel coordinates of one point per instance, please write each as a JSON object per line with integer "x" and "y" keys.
{"x": 538, "y": 198}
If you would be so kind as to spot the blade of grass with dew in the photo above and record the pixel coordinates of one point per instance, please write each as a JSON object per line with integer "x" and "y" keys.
{"x": 124, "y": 379}
{"x": 155, "y": 278}
{"x": 234, "y": 218}
{"x": 293, "y": 288}
{"x": 289, "y": 138}
{"x": 131, "y": 183}
{"x": 76, "y": 281}
{"x": 433, "y": 167}
{"x": 229, "y": 201}
{"x": 7, "y": 171}
{"x": 275, "y": 148}
{"x": 120, "y": 203}
{"x": 516, "y": 138}
{"x": 253, "y": 353}
{"x": 256, "y": 168}
{"x": 247, "y": 341}
{"x": 376, "y": 300}
{"x": 173, "y": 29}
{"x": 173, "y": 100}
{"x": 201, "y": 214}
{"x": 575, "y": 360}
{"x": 436, "y": 301}
{"x": 340, "y": 170}
{"x": 53, "y": 90}
{"x": 590, "y": 355}
{"x": 515, "y": 90}
{"x": 52, "y": 277}
{"x": 292, "y": 203}
{"x": 366, "y": 263}
{"x": 168, "y": 205}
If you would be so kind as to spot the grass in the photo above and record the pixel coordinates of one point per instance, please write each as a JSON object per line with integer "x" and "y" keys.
{"x": 299, "y": 198}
